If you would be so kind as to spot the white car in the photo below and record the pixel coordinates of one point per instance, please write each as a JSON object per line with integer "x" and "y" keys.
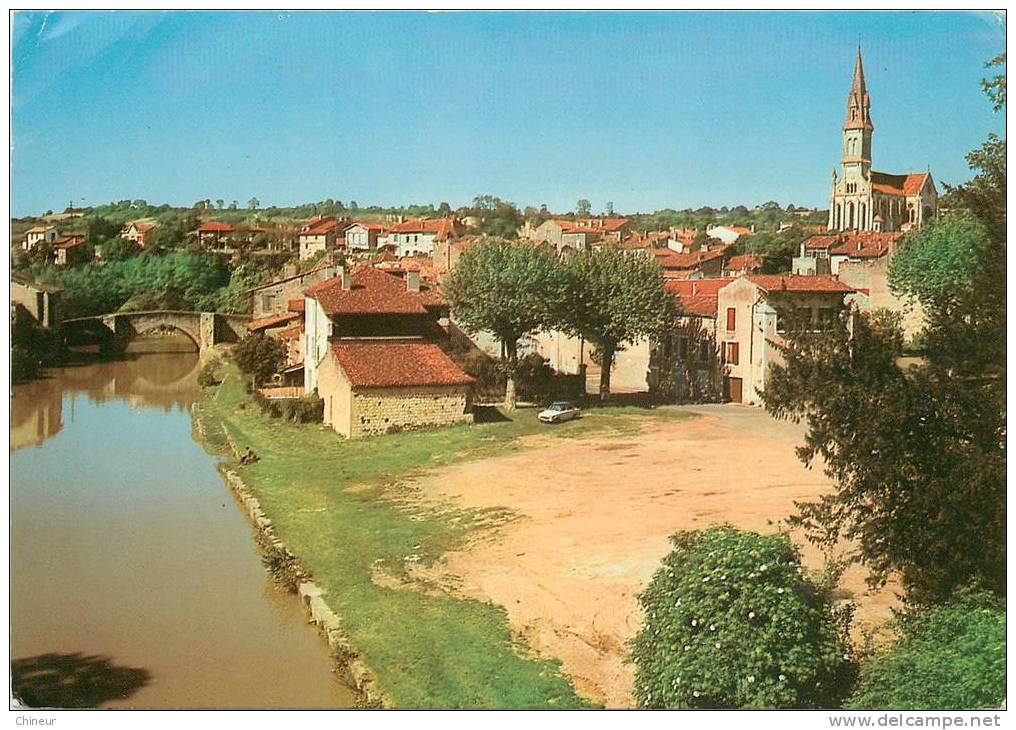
{"x": 559, "y": 411}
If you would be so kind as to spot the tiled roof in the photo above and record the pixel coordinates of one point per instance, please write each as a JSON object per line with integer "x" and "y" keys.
{"x": 216, "y": 227}
{"x": 69, "y": 242}
{"x": 372, "y": 291}
{"x": 902, "y": 185}
{"x": 797, "y": 283}
{"x": 40, "y": 229}
{"x": 291, "y": 333}
{"x": 276, "y": 320}
{"x": 592, "y": 225}
{"x": 442, "y": 228}
{"x": 142, "y": 226}
{"x": 671, "y": 260}
{"x": 698, "y": 297}
{"x": 387, "y": 364}
{"x": 367, "y": 226}
{"x": 744, "y": 262}
{"x": 860, "y": 244}
{"x": 296, "y": 305}
{"x": 320, "y": 227}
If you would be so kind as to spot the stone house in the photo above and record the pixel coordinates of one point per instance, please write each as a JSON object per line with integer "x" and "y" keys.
{"x": 447, "y": 253}
{"x": 38, "y": 236}
{"x": 373, "y": 387}
{"x": 214, "y": 233}
{"x": 277, "y": 297}
{"x": 580, "y": 234}
{"x": 371, "y": 353}
{"x": 320, "y": 235}
{"x": 685, "y": 365}
{"x": 742, "y": 264}
{"x": 708, "y": 263}
{"x": 824, "y": 253}
{"x": 419, "y": 237}
{"x": 68, "y": 250}
{"x": 363, "y": 236}
{"x": 755, "y": 314}
{"x": 140, "y": 232}
{"x": 729, "y": 234}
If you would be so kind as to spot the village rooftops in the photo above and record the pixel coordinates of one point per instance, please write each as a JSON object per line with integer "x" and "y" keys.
{"x": 141, "y": 226}
{"x": 395, "y": 363}
{"x": 216, "y": 227}
{"x": 66, "y": 242}
{"x": 670, "y": 260}
{"x": 40, "y": 229}
{"x": 591, "y": 225}
{"x": 744, "y": 262}
{"x": 322, "y": 226}
{"x": 367, "y": 226}
{"x": 372, "y": 291}
{"x": 296, "y": 305}
{"x": 798, "y": 284}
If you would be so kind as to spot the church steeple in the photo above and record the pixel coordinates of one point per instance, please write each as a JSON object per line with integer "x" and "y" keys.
{"x": 858, "y": 104}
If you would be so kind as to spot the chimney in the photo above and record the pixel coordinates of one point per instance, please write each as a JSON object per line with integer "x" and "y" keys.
{"x": 413, "y": 281}
{"x": 343, "y": 273}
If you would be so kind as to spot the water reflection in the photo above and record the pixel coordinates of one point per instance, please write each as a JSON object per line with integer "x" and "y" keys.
{"x": 135, "y": 580}
{"x": 155, "y": 373}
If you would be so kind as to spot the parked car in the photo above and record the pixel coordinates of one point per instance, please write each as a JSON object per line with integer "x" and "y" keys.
{"x": 559, "y": 411}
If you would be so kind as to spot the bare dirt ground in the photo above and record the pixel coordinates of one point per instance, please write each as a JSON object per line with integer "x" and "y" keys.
{"x": 592, "y": 522}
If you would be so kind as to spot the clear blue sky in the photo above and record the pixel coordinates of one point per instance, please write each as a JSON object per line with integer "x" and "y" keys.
{"x": 648, "y": 110}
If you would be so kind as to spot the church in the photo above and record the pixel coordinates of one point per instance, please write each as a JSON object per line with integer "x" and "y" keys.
{"x": 866, "y": 200}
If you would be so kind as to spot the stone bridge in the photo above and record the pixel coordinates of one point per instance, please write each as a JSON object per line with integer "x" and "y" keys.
{"x": 204, "y": 328}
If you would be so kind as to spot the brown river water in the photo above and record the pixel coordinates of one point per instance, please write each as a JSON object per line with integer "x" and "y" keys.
{"x": 135, "y": 580}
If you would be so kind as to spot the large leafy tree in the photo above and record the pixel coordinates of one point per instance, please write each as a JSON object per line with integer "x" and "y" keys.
{"x": 507, "y": 289}
{"x": 918, "y": 456}
{"x": 259, "y": 356}
{"x": 614, "y": 297}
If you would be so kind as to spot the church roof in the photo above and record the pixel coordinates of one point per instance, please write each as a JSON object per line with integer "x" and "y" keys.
{"x": 858, "y": 115}
{"x": 902, "y": 185}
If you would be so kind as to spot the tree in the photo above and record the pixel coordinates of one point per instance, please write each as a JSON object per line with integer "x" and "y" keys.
{"x": 614, "y": 296}
{"x": 583, "y": 207}
{"x": 732, "y": 621}
{"x": 233, "y": 205}
{"x": 220, "y": 203}
{"x": 259, "y": 356}
{"x": 507, "y": 289}
{"x": 253, "y": 203}
{"x": 610, "y": 207}
{"x": 919, "y": 457}
{"x": 444, "y": 210}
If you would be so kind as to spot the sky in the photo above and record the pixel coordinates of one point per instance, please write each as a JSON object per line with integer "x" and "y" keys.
{"x": 645, "y": 110}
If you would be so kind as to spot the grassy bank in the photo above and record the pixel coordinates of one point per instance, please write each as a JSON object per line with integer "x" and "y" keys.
{"x": 336, "y": 504}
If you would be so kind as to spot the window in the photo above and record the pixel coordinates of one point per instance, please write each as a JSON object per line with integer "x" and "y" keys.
{"x": 682, "y": 348}
{"x": 704, "y": 352}
{"x": 268, "y": 302}
{"x": 731, "y": 319}
{"x": 730, "y": 353}
{"x": 803, "y": 317}
{"x": 826, "y": 317}
{"x": 668, "y": 347}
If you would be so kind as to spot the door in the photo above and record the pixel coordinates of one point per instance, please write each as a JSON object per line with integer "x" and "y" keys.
{"x": 733, "y": 390}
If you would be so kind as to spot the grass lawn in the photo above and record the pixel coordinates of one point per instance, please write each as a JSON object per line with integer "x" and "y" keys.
{"x": 337, "y": 506}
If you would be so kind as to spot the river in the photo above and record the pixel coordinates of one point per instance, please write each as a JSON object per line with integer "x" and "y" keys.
{"x": 135, "y": 580}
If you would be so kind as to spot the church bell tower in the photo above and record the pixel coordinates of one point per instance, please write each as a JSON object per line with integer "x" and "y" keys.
{"x": 857, "y": 128}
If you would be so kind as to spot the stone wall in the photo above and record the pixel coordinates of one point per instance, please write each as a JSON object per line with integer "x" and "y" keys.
{"x": 873, "y": 275}
{"x": 386, "y": 410}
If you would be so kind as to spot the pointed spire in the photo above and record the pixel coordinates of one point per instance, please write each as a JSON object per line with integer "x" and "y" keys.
{"x": 858, "y": 114}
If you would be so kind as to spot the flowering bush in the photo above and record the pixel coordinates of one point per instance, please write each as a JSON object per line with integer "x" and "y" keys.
{"x": 731, "y": 620}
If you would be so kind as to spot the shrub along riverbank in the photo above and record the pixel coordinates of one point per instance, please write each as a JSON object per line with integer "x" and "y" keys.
{"x": 337, "y": 505}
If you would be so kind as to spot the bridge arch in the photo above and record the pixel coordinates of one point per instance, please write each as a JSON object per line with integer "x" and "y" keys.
{"x": 203, "y": 328}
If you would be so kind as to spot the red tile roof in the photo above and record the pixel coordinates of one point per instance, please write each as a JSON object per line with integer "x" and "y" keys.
{"x": 592, "y": 225}
{"x": 860, "y": 244}
{"x": 320, "y": 227}
{"x": 672, "y": 260}
{"x": 367, "y": 226}
{"x": 744, "y": 262}
{"x": 372, "y": 291}
{"x": 40, "y": 229}
{"x": 291, "y": 333}
{"x": 276, "y": 320}
{"x": 69, "y": 242}
{"x": 389, "y": 364}
{"x": 443, "y": 228}
{"x": 698, "y": 297}
{"x": 216, "y": 227}
{"x": 901, "y": 185}
{"x": 296, "y": 305}
{"x": 797, "y": 283}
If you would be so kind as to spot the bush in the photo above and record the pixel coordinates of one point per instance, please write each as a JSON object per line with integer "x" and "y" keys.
{"x": 259, "y": 356}
{"x": 732, "y": 621}
{"x": 209, "y": 374}
{"x": 534, "y": 377}
{"x": 309, "y": 409}
{"x": 947, "y": 657}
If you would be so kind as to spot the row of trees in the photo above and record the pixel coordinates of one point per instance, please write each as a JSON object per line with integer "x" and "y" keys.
{"x": 608, "y": 296}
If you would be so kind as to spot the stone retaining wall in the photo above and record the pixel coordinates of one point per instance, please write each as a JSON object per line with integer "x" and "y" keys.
{"x": 347, "y": 659}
